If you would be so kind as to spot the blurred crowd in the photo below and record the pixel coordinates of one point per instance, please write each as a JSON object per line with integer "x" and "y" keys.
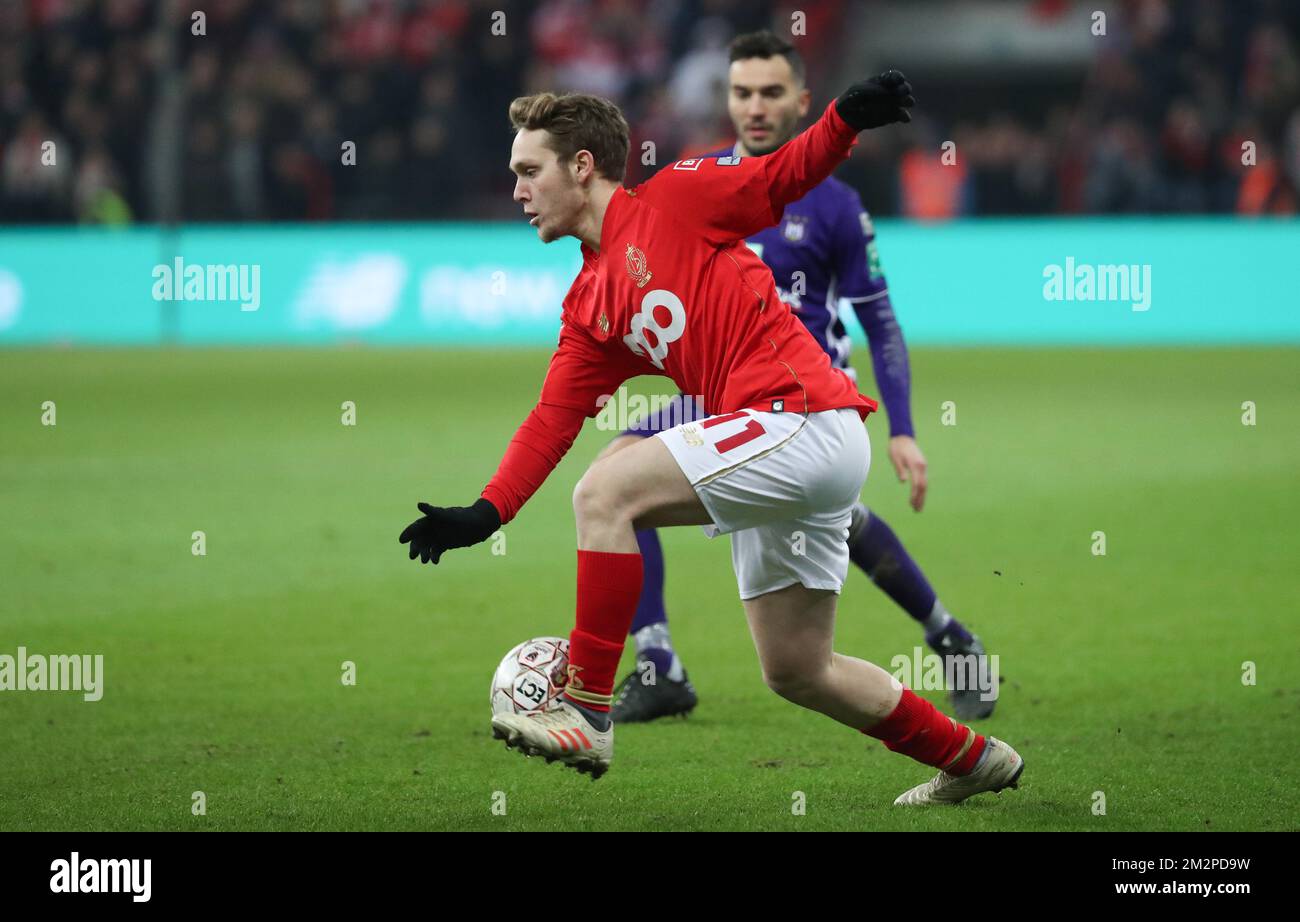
{"x": 113, "y": 111}
{"x": 1190, "y": 106}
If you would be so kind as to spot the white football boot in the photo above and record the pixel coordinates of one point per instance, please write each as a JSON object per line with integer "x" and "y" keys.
{"x": 561, "y": 732}
{"x": 999, "y": 767}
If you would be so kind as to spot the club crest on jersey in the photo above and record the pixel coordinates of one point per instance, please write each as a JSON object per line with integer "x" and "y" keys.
{"x": 636, "y": 267}
{"x": 692, "y": 164}
{"x": 795, "y": 228}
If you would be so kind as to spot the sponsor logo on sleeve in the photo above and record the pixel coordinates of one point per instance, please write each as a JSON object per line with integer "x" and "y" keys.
{"x": 874, "y": 269}
{"x": 692, "y": 164}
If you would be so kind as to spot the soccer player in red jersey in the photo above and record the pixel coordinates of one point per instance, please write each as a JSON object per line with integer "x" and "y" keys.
{"x": 669, "y": 287}
{"x": 822, "y": 254}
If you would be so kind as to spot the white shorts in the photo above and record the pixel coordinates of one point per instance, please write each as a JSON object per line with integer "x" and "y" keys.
{"x": 783, "y": 485}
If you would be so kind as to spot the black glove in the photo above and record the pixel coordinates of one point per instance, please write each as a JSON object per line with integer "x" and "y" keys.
{"x": 879, "y": 101}
{"x": 441, "y": 529}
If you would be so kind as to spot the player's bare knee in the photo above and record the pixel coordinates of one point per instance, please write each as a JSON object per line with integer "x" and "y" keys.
{"x": 597, "y": 498}
{"x": 586, "y": 498}
{"x": 792, "y": 683}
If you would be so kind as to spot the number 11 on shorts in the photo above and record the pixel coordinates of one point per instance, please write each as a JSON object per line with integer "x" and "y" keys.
{"x": 753, "y": 429}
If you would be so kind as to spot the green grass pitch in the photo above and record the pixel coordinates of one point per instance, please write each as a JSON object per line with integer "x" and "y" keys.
{"x": 223, "y": 672}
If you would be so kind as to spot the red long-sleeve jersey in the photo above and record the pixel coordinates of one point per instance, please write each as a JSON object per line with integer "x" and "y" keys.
{"x": 675, "y": 291}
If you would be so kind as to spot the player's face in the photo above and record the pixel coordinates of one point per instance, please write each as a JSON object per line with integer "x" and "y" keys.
{"x": 551, "y": 196}
{"x": 765, "y": 101}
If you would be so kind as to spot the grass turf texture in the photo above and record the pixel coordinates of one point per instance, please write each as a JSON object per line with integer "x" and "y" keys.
{"x": 222, "y": 672}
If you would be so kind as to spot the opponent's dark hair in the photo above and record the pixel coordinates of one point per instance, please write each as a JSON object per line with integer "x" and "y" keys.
{"x": 766, "y": 44}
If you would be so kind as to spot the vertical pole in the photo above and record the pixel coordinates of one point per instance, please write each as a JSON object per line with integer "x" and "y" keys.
{"x": 165, "y": 155}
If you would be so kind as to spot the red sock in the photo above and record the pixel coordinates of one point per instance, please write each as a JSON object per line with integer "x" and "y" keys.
{"x": 918, "y": 729}
{"x": 609, "y": 586}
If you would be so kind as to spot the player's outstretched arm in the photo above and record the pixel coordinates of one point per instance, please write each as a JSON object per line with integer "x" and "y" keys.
{"x": 794, "y": 169}
{"x": 440, "y": 529}
{"x": 731, "y": 198}
{"x": 538, "y": 446}
{"x": 877, "y": 102}
{"x": 579, "y": 375}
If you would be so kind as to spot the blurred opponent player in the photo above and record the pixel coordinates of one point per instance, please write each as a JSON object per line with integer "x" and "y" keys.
{"x": 827, "y": 236}
{"x": 668, "y": 287}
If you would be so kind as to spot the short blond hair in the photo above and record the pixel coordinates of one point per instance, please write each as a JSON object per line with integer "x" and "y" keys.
{"x": 577, "y": 121}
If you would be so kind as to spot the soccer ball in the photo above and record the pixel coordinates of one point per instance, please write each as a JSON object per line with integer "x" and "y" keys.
{"x": 531, "y": 676}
